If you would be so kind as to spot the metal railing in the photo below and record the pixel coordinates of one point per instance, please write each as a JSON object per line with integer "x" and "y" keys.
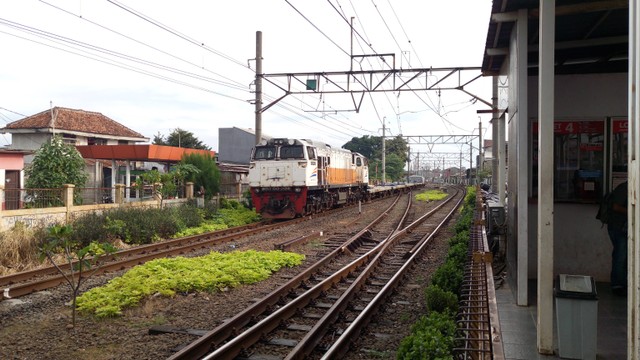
{"x": 90, "y": 196}
{"x": 479, "y": 334}
{"x": 15, "y": 199}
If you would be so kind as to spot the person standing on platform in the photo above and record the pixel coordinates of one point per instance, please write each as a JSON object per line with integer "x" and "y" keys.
{"x": 617, "y": 229}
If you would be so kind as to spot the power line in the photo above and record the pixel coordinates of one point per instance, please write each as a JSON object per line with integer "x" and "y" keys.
{"x": 128, "y": 67}
{"x": 175, "y": 32}
{"x": 139, "y": 42}
{"x": 317, "y": 28}
{"x": 58, "y": 39}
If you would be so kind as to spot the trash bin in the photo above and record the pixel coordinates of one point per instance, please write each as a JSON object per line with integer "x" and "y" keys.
{"x": 576, "y": 316}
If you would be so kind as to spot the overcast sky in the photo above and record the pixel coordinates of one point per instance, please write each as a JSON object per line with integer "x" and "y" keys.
{"x": 156, "y": 65}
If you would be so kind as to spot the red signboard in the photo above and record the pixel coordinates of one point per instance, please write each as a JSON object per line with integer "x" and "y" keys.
{"x": 584, "y": 127}
{"x": 620, "y": 126}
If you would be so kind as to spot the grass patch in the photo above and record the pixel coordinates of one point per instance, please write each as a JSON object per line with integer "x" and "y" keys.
{"x": 166, "y": 277}
{"x": 431, "y": 195}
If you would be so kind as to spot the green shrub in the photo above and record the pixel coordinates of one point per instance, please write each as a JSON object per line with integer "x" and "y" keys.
{"x": 210, "y": 210}
{"x": 440, "y": 300}
{"x": 458, "y": 254}
{"x": 190, "y": 216}
{"x": 461, "y": 237}
{"x": 464, "y": 222}
{"x": 449, "y": 277}
{"x": 90, "y": 227}
{"x": 432, "y": 337}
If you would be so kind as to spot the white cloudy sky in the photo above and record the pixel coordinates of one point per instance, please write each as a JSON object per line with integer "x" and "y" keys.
{"x": 190, "y": 71}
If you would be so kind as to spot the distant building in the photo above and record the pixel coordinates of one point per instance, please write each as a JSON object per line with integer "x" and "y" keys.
{"x": 235, "y": 144}
{"x": 234, "y": 155}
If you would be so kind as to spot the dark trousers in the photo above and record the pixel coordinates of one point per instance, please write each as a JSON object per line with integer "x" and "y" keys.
{"x": 618, "y": 257}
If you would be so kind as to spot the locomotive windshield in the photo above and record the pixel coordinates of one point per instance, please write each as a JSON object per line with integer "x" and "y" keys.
{"x": 292, "y": 152}
{"x": 265, "y": 153}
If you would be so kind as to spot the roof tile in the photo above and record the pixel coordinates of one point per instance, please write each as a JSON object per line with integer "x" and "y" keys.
{"x": 74, "y": 120}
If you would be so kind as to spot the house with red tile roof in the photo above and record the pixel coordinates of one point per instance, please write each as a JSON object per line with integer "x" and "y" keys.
{"x": 76, "y": 127}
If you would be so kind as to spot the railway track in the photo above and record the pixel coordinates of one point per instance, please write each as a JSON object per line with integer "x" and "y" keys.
{"x": 317, "y": 313}
{"x": 24, "y": 283}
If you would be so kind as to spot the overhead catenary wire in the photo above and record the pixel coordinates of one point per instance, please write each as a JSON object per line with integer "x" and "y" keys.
{"x": 175, "y": 32}
{"x": 96, "y": 57}
{"x": 240, "y": 87}
{"x": 84, "y": 18}
{"x": 125, "y": 66}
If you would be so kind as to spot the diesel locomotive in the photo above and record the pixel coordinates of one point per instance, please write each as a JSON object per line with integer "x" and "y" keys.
{"x": 289, "y": 178}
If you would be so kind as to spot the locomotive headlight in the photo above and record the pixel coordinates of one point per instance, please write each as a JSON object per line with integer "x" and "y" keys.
{"x": 252, "y": 165}
{"x": 302, "y": 164}
{"x": 291, "y": 141}
{"x": 297, "y": 189}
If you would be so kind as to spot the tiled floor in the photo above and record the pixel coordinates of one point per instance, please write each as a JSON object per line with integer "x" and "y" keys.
{"x": 518, "y": 325}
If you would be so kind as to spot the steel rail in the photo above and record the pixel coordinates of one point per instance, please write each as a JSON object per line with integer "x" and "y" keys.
{"x": 233, "y": 347}
{"x": 341, "y": 345}
{"x": 204, "y": 344}
{"x": 140, "y": 255}
{"x": 26, "y": 275}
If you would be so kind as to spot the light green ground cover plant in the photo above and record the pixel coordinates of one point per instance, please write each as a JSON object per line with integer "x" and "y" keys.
{"x": 224, "y": 219}
{"x": 431, "y": 195}
{"x": 167, "y": 277}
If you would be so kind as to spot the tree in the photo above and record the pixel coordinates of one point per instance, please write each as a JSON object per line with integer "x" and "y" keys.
{"x": 209, "y": 175}
{"x": 55, "y": 164}
{"x": 180, "y": 138}
{"x": 394, "y": 167}
{"x": 79, "y": 259}
{"x": 397, "y": 146}
{"x": 369, "y": 146}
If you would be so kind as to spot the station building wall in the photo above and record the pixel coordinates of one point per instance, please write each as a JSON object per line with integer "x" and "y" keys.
{"x": 582, "y": 245}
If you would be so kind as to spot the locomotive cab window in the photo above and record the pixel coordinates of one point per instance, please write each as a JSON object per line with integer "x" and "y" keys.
{"x": 311, "y": 152}
{"x": 358, "y": 161}
{"x": 292, "y": 152}
{"x": 264, "y": 153}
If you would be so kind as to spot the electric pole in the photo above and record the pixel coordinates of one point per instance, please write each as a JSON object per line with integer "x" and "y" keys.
{"x": 258, "y": 103}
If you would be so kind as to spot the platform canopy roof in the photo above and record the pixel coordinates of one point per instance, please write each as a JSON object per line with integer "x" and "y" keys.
{"x": 154, "y": 153}
{"x": 592, "y": 36}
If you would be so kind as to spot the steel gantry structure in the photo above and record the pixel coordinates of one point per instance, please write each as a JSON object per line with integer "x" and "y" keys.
{"x": 446, "y": 158}
{"x": 357, "y": 83}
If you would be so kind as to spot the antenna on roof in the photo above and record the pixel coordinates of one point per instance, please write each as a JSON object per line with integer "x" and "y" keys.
{"x": 53, "y": 120}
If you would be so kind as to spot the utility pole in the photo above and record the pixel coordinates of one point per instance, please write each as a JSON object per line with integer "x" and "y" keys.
{"x": 460, "y": 171}
{"x": 384, "y": 150}
{"x": 408, "y": 162}
{"x": 258, "y": 86}
{"x": 480, "y": 157}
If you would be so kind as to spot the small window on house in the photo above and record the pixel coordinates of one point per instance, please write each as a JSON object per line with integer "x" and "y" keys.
{"x": 69, "y": 139}
{"x": 96, "y": 141}
{"x": 123, "y": 142}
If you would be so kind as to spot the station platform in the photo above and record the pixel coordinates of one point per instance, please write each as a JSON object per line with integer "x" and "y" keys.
{"x": 518, "y": 324}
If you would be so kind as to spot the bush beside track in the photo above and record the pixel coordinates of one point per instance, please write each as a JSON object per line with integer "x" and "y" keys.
{"x": 432, "y": 337}
{"x": 131, "y": 226}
